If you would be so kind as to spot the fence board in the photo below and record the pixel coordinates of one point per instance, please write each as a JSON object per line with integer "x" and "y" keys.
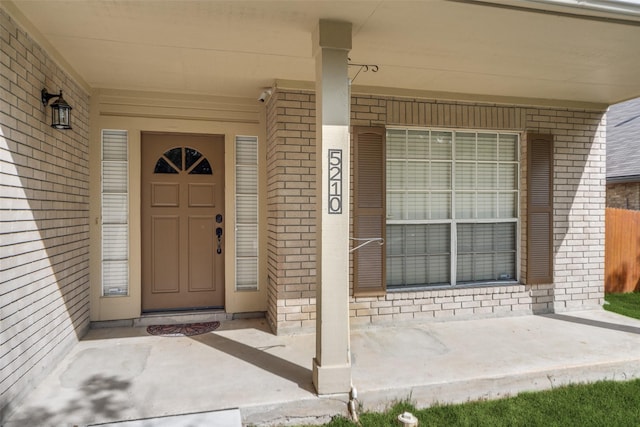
{"x": 622, "y": 250}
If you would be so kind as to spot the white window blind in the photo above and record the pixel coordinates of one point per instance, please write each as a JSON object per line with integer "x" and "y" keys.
{"x": 451, "y": 186}
{"x": 115, "y": 214}
{"x": 246, "y": 213}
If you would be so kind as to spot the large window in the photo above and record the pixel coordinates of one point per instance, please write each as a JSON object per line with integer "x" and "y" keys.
{"x": 452, "y": 207}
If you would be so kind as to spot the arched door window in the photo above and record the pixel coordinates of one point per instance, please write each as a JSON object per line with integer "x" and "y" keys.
{"x": 183, "y": 159}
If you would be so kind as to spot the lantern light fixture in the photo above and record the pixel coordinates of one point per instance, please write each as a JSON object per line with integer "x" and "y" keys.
{"x": 60, "y": 110}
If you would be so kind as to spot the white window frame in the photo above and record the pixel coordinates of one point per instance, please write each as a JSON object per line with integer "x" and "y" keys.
{"x": 247, "y": 222}
{"x": 105, "y": 221}
{"x": 453, "y": 221}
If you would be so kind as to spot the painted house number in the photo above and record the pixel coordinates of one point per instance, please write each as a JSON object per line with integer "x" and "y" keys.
{"x": 335, "y": 181}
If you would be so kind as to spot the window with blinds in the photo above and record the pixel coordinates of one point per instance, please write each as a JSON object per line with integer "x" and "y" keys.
{"x": 246, "y": 213}
{"x": 452, "y": 207}
{"x": 115, "y": 213}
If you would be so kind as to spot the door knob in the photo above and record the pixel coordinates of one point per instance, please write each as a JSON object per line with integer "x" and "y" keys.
{"x": 219, "y": 236}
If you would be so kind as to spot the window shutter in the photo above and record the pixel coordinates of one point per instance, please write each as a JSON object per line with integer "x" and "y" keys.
{"x": 540, "y": 209}
{"x": 369, "y": 211}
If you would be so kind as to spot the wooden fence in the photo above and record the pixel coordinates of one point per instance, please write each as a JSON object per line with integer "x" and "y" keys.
{"x": 622, "y": 250}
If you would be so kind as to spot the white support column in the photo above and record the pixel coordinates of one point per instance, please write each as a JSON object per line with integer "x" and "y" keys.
{"x": 332, "y": 364}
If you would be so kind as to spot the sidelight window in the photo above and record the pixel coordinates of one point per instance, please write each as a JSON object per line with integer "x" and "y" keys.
{"x": 246, "y": 175}
{"x": 115, "y": 213}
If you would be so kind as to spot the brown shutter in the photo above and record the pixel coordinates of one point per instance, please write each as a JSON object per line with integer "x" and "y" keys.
{"x": 540, "y": 209}
{"x": 369, "y": 217}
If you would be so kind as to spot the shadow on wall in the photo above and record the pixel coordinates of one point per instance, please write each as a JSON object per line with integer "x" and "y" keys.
{"x": 44, "y": 235}
{"x": 48, "y": 232}
{"x": 579, "y": 194}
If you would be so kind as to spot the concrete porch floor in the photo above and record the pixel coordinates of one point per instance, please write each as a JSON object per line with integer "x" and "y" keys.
{"x": 119, "y": 374}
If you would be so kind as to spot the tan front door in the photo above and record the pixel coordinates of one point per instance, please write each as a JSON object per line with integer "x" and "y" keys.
{"x": 182, "y": 221}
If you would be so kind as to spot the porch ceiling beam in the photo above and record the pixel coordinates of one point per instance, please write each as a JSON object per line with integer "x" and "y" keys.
{"x": 450, "y": 96}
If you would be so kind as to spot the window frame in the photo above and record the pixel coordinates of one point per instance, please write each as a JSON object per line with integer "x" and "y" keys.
{"x": 452, "y": 221}
{"x": 253, "y": 223}
{"x": 125, "y": 257}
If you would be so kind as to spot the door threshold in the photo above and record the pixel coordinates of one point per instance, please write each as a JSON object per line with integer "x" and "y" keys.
{"x": 165, "y": 311}
{"x": 182, "y": 316}
{"x": 175, "y": 318}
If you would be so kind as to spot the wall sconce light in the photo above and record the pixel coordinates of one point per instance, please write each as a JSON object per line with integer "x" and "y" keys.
{"x": 60, "y": 110}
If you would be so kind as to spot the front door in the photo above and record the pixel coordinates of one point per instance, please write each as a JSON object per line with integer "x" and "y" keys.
{"x": 182, "y": 221}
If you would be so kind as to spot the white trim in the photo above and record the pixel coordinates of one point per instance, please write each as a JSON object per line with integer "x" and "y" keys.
{"x": 123, "y": 238}
{"x": 248, "y": 224}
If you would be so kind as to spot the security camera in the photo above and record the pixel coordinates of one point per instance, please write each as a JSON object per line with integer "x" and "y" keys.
{"x": 264, "y": 95}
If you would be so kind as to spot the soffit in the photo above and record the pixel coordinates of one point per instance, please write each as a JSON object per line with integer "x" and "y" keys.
{"x": 234, "y": 48}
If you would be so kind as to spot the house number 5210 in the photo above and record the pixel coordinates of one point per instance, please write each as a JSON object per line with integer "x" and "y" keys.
{"x": 335, "y": 181}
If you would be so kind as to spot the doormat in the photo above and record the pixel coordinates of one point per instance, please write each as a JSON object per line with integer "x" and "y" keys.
{"x": 183, "y": 330}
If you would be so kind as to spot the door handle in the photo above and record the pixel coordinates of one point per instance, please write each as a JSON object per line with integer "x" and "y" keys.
{"x": 219, "y": 236}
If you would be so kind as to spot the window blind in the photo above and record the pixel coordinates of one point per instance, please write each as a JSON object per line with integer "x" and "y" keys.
{"x": 246, "y": 191}
{"x": 445, "y": 185}
{"x": 486, "y": 252}
{"x": 115, "y": 213}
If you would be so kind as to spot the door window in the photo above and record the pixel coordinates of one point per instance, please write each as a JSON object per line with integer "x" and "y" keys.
{"x": 183, "y": 159}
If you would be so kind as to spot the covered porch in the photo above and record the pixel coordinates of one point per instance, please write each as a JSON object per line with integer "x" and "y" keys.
{"x": 485, "y": 71}
{"x": 118, "y": 374}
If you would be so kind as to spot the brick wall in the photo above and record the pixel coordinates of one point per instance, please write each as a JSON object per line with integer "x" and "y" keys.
{"x": 624, "y": 196}
{"x": 579, "y": 204}
{"x": 44, "y": 246}
{"x": 291, "y": 210}
{"x": 578, "y": 197}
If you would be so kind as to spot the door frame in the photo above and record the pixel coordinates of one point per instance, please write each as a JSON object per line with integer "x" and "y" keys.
{"x": 209, "y": 145}
{"x": 137, "y": 112}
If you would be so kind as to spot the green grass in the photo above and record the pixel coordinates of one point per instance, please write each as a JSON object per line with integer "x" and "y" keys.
{"x": 604, "y": 403}
{"x": 626, "y": 304}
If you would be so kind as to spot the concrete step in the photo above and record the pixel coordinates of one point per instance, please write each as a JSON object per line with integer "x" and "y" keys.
{"x": 166, "y": 318}
{"x": 226, "y": 418}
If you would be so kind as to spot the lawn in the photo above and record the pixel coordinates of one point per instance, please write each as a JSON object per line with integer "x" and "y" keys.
{"x": 605, "y": 403}
{"x": 626, "y": 304}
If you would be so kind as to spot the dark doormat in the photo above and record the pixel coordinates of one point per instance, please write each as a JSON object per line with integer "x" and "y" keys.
{"x": 183, "y": 330}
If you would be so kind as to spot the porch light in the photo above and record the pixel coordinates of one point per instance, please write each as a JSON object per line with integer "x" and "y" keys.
{"x": 60, "y": 110}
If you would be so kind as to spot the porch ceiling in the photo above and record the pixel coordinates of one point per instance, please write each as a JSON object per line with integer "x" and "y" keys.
{"x": 234, "y": 48}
